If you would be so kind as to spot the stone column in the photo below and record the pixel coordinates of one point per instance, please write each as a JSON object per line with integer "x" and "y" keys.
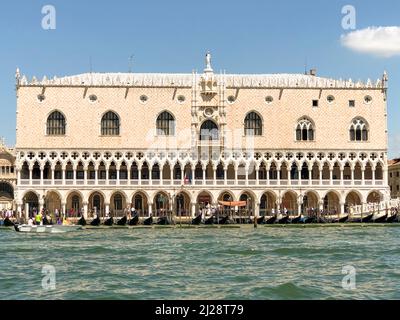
{"x": 310, "y": 177}
{"x": 331, "y": 176}
{"x": 236, "y": 175}
{"x": 107, "y": 174}
{"x": 18, "y": 177}
{"x": 172, "y": 176}
{"x": 19, "y": 210}
{"x": 373, "y": 176}
{"x": 140, "y": 175}
{"x": 257, "y": 210}
{"x": 204, "y": 175}
{"x": 118, "y": 175}
{"x": 321, "y": 206}
{"x": 63, "y": 208}
{"x": 342, "y": 207}
{"x": 41, "y": 175}
{"x": 268, "y": 176}
{"x": 63, "y": 176}
{"x": 150, "y": 209}
{"x": 363, "y": 176}
{"x": 74, "y": 169}
{"x": 107, "y": 207}
{"x": 161, "y": 176}
{"x": 183, "y": 176}
{"x": 247, "y": 176}
{"x": 52, "y": 176}
{"x": 85, "y": 176}
{"x": 278, "y": 173}
{"x": 225, "y": 176}
{"x": 26, "y": 211}
{"x": 257, "y": 176}
{"x": 193, "y": 211}
{"x": 215, "y": 176}
{"x": 320, "y": 176}
{"x": 150, "y": 176}
{"x": 289, "y": 178}
{"x": 341, "y": 176}
{"x": 85, "y": 210}
{"x": 352, "y": 176}
{"x": 193, "y": 176}
{"x": 96, "y": 175}
{"x": 30, "y": 176}
{"x": 130, "y": 175}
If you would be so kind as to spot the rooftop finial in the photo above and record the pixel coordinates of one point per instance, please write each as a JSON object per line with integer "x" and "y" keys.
{"x": 17, "y": 74}
{"x": 208, "y": 63}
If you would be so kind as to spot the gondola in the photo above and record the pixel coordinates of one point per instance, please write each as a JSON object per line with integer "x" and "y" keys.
{"x": 197, "y": 221}
{"x": 95, "y": 222}
{"x": 297, "y": 219}
{"x": 365, "y": 219}
{"x": 122, "y": 222}
{"x": 308, "y": 220}
{"x": 261, "y": 220}
{"x": 8, "y": 223}
{"x": 271, "y": 220}
{"x": 392, "y": 218}
{"x": 284, "y": 220}
{"x": 224, "y": 220}
{"x": 82, "y": 221}
{"x": 148, "y": 221}
{"x": 209, "y": 221}
{"x": 134, "y": 221}
{"x": 163, "y": 221}
{"x": 109, "y": 222}
{"x": 381, "y": 219}
{"x": 341, "y": 220}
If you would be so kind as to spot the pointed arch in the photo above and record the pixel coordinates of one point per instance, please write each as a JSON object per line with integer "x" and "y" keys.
{"x": 165, "y": 124}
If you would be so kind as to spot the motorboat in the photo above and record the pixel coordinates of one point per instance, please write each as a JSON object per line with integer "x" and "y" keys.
{"x": 25, "y": 228}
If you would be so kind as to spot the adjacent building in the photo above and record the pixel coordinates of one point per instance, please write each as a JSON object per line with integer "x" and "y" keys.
{"x": 394, "y": 178}
{"x": 8, "y": 177}
{"x": 101, "y": 142}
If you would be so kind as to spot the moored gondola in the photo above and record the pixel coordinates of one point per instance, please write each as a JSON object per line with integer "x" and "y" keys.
{"x": 209, "y": 221}
{"x": 284, "y": 220}
{"x": 109, "y": 222}
{"x": 46, "y": 221}
{"x": 148, "y": 221}
{"x": 134, "y": 221}
{"x": 163, "y": 221}
{"x": 297, "y": 219}
{"x": 95, "y": 222}
{"x": 364, "y": 219}
{"x": 8, "y": 222}
{"x": 82, "y": 221}
{"x": 261, "y": 220}
{"x": 381, "y": 219}
{"x": 224, "y": 220}
{"x": 341, "y": 219}
{"x": 392, "y": 218}
{"x": 197, "y": 221}
{"x": 122, "y": 221}
{"x": 271, "y": 220}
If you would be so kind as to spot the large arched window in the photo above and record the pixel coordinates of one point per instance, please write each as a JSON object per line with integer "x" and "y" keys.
{"x": 165, "y": 124}
{"x": 209, "y": 131}
{"x": 110, "y": 124}
{"x": 305, "y": 130}
{"x": 359, "y": 130}
{"x": 253, "y": 125}
{"x": 56, "y": 124}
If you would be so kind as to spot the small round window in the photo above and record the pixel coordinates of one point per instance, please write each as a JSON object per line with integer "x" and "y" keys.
{"x": 367, "y": 99}
{"x": 330, "y": 99}
{"x": 231, "y": 99}
{"x": 181, "y": 99}
{"x": 92, "y": 98}
{"x": 41, "y": 97}
{"x": 269, "y": 100}
{"x": 144, "y": 99}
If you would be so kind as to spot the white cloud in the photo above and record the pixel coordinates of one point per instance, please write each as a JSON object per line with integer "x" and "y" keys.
{"x": 378, "y": 41}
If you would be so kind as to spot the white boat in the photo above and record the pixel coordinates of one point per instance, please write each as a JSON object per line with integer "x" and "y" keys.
{"x": 25, "y": 228}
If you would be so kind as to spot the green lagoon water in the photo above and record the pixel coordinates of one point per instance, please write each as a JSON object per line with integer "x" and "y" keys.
{"x": 203, "y": 263}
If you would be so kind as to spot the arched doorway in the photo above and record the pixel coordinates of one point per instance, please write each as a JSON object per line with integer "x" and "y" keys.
{"x": 182, "y": 205}
{"x": 161, "y": 204}
{"x": 209, "y": 131}
{"x": 117, "y": 204}
{"x": 310, "y": 203}
{"x": 352, "y": 200}
{"x": 226, "y": 197}
{"x": 96, "y": 204}
{"x": 140, "y": 203}
{"x": 204, "y": 201}
{"x": 267, "y": 204}
{"x": 31, "y": 203}
{"x": 374, "y": 197}
{"x": 289, "y": 202}
{"x": 74, "y": 204}
{"x": 248, "y": 210}
{"x": 331, "y": 203}
{"x": 53, "y": 202}
{"x": 6, "y": 196}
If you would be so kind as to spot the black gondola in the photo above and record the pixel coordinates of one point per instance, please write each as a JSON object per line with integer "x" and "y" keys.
{"x": 163, "y": 221}
{"x": 365, "y": 219}
{"x": 381, "y": 219}
{"x": 8, "y": 222}
{"x": 134, "y": 221}
{"x": 309, "y": 220}
{"x": 122, "y": 222}
{"x": 392, "y": 218}
{"x": 148, "y": 221}
{"x": 95, "y": 222}
{"x": 82, "y": 221}
{"x": 261, "y": 220}
{"x": 224, "y": 220}
{"x": 297, "y": 219}
{"x": 271, "y": 220}
{"x": 209, "y": 221}
{"x": 284, "y": 220}
{"x": 46, "y": 222}
{"x": 109, "y": 222}
{"x": 197, "y": 221}
{"x": 341, "y": 220}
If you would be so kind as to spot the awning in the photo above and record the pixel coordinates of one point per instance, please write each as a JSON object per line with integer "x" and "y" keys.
{"x": 233, "y": 204}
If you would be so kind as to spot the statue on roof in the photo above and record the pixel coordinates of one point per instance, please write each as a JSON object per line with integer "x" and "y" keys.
{"x": 208, "y": 63}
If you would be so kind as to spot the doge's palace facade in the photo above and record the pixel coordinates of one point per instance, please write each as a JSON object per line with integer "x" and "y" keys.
{"x": 104, "y": 142}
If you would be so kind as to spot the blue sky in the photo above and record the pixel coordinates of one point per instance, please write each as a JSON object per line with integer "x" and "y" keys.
{"x": 172, "y": 36}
